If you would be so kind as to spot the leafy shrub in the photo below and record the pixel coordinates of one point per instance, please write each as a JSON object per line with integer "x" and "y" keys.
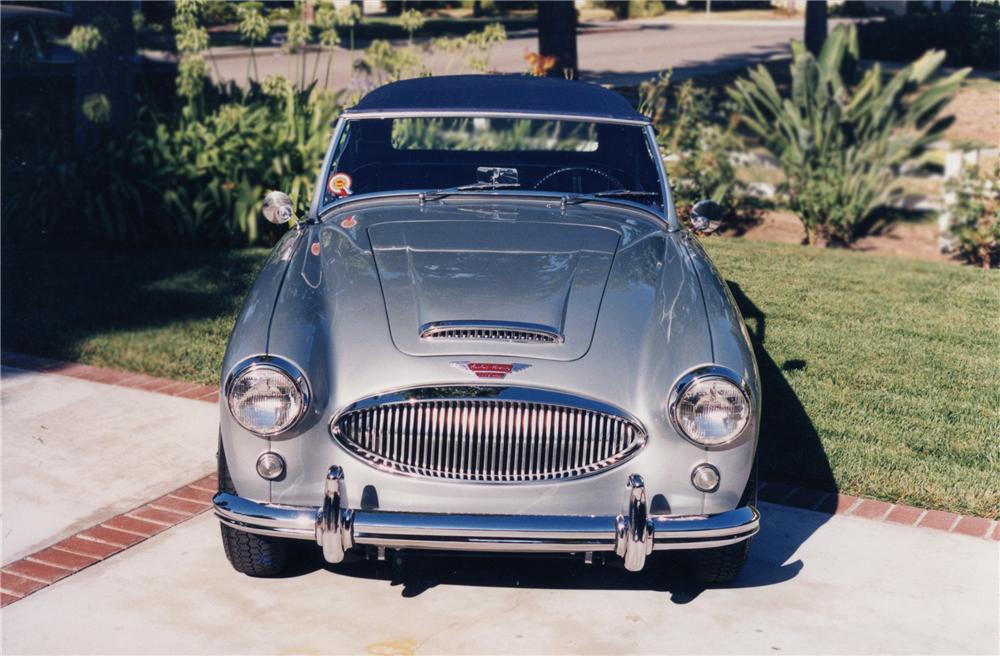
{"x": 219, "y": 12}
{"x": 841, "y": 135}
{"x": 412, "y": 21}
{"x": 975, "y": 215}
{"x": 693, "y": 132}
{"x": 85, "y": 39}
{"x": 382, "y": 62}
{"x": 195, "y": 177}
{"x": 632, "y": 8}
{"x": 210, "y": 171}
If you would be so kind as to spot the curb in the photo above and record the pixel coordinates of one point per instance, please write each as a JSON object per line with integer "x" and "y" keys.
{"x": 102, "y": 541}
{"x": 92, "y": 545}
{"x": 115, "y": 377}
{"x": 834, "y": 503}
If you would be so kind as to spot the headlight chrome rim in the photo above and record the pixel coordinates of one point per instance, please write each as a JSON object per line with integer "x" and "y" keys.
{"x": 704, "y": 373}
{"x": 273, "y": 363}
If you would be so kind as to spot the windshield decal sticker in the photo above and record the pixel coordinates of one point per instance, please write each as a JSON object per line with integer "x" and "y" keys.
{"x": 349, "y": 222}
{"x": 339, "y": 184}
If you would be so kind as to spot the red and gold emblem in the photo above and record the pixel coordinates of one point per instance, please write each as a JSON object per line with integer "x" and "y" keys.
{"x": 339, "y": 184}
{"x": 495, "y": 370}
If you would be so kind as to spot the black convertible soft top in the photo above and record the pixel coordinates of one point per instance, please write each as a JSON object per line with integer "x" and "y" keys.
{"x": 504, "y": 94}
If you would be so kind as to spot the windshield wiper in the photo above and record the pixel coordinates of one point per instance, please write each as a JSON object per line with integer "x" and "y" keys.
{"x": 614, "y": 193}
{"x": 475, "y": 186}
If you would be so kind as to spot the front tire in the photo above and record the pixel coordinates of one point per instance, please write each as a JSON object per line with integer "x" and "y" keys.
{"x": 720, "y": 564}
{"x": 250, "y": 554}
{"x": 254, "y": 555}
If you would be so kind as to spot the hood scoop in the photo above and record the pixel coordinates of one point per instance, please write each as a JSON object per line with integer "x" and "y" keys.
{"x": 474, "y": 287}
{"x": 491, "y": 331}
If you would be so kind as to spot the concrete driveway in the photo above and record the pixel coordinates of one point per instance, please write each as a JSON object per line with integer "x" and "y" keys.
{"x": 816, "y": 583}
{"x": 76, "y": 453}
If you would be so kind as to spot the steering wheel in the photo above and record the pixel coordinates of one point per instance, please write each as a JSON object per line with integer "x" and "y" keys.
{"x": 586, "y": 169}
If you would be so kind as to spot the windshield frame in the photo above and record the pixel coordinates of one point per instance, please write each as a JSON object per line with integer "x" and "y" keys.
{"x": 317, "y": 208}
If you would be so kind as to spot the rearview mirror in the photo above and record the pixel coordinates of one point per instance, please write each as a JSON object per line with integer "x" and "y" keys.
{"x": 706, "y": 216}
{"x": 278, "y": 207}
{"x": 496, "y": 175}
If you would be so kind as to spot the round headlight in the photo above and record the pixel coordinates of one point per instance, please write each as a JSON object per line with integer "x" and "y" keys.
{"x": 265, "y": 399}
{"x": 711, "y": 410}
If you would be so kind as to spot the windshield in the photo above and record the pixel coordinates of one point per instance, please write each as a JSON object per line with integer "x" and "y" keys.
{"x": 429, "y": 154}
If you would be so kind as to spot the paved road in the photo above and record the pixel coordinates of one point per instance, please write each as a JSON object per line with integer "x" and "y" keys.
{"x": 815, "y": 583}
{"x": 620, "y": 57}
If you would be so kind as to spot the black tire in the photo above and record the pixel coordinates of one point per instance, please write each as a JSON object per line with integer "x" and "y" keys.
{"x": 720, "y": 564}
{"x": 253, "y": 555}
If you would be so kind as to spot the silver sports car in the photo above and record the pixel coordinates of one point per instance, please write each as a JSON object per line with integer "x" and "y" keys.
{"x": 490, "y": 334}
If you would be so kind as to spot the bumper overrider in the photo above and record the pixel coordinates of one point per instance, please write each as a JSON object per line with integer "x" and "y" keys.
{"x": 633, "y": 534}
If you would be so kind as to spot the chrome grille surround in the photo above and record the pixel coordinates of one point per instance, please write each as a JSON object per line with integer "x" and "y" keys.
{"x": 487, "y": 434}
{"x": 492, "y": 331}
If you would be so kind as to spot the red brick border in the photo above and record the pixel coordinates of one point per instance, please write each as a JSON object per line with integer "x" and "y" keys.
{"x": 133, "y": 380}
{"x": 92, "y": 545}
{"x": 835, "y": 503}
{"x": 22, "y": 577}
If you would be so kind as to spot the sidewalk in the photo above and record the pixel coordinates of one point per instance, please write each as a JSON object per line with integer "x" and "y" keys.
{"x": 76, "y": 453}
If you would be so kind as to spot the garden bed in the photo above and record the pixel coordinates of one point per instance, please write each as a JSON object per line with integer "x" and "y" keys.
{"x": 886, "y": 366}
{"x": 913, "y": 237}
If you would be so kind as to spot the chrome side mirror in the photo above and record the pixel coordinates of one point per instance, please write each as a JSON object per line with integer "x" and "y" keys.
{"x": 278, "y": 207}
{"x": 706, "y": 216}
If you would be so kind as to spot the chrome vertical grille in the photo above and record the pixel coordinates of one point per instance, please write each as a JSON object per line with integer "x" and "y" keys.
{"x": 501, "y": 435}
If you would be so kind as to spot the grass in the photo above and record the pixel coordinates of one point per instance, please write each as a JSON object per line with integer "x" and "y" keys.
{"x": 165, "y": 313}
{"x": 881, "y": 376}
{"x": 891, "y": 366}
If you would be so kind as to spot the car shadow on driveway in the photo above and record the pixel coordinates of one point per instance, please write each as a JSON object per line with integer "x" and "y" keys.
{"x": 772, "y": 561}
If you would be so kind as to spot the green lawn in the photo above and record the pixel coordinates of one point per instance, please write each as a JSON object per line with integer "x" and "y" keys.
{"x": 881, "y": 376}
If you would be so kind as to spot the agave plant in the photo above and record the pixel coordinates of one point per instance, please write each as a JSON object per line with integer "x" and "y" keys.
{"x": 842, "y": 134}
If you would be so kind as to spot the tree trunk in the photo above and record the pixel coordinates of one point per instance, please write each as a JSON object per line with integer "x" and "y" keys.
{"x": 109, "y": 70}
{"x": 557, "y": 36}
{"x": 815, "y": 25}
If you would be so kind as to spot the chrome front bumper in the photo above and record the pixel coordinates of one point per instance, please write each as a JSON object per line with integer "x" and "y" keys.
{"x": 633, "y": 534}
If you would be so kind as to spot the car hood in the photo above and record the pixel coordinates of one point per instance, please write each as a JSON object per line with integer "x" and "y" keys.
{"x": 622, "y": 292}
{"x": 465, "y": 275}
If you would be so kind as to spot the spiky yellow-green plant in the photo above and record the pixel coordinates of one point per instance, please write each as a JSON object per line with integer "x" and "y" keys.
{"x": 841, "y": 133}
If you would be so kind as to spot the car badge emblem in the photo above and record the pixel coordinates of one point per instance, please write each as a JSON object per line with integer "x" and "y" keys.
{"x": 494, "y": 370}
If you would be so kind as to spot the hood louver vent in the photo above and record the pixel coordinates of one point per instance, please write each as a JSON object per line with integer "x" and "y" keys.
{"x": 491, "y": 331}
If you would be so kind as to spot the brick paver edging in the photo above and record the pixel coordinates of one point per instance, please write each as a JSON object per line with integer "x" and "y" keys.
{"x": 94, "y": 544}
{"x": 168, "y": 386}
{"x": 834, "y": 503}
